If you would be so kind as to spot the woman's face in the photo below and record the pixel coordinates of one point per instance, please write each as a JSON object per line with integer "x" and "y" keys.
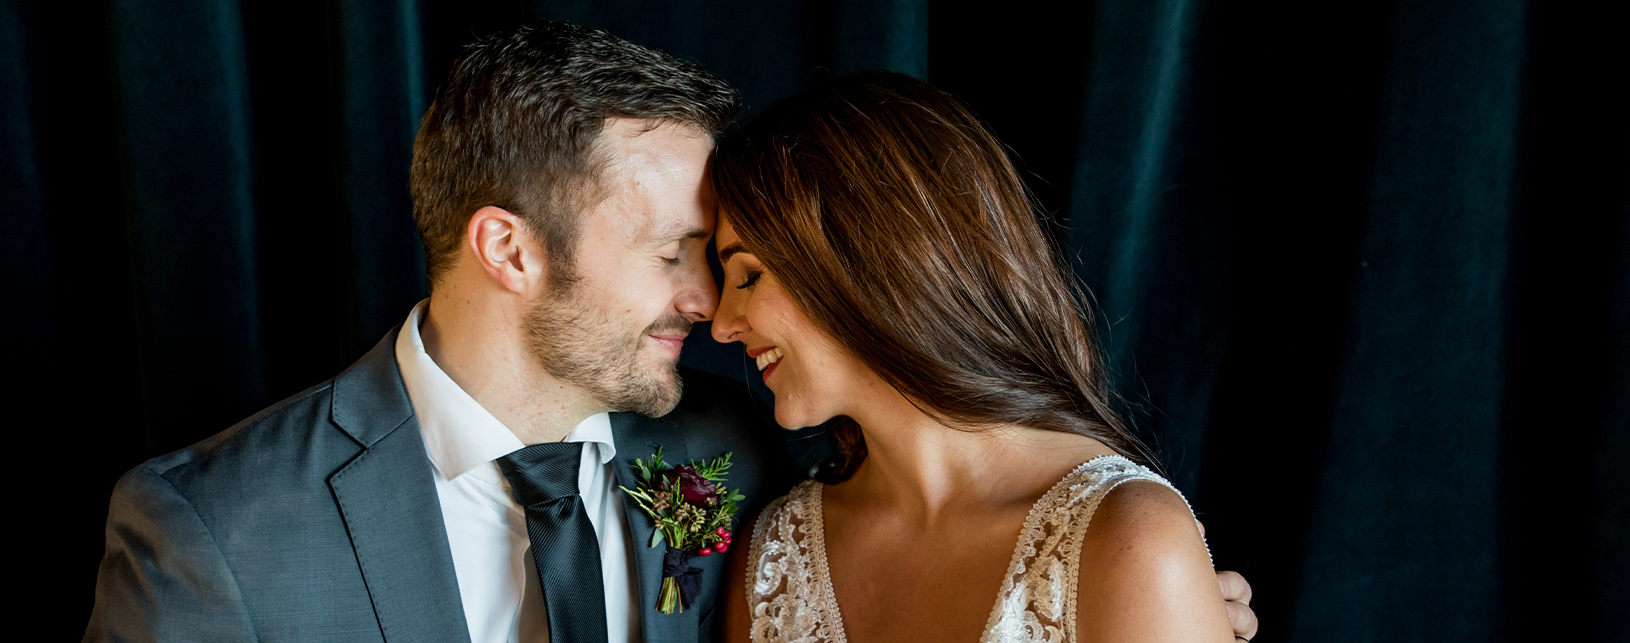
{"x": 812, "y": 377}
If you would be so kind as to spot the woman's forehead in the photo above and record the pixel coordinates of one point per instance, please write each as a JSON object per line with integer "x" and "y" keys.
{"x": 725, "y": 239}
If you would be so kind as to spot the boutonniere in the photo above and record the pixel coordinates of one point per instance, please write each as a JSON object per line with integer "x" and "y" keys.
{"x": 693, "y": 511}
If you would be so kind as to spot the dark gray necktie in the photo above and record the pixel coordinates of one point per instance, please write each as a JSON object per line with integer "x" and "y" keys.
{"x": 564, "y": 548}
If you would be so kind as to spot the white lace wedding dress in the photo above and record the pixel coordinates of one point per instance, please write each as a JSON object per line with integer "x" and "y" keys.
{"x": 789, "y": 587}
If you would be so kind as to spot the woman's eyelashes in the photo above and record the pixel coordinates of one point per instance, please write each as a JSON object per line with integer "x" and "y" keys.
{"x": 752, "y": 278}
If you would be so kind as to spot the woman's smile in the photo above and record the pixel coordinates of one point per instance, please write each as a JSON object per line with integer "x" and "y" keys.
{"x": 767, "y": 357}
{"x": 756, "y": 310}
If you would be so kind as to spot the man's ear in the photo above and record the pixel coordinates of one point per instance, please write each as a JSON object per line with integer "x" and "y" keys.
{"x": 505, "y": 249}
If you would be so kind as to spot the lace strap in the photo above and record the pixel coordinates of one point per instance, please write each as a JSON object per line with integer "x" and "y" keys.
{"x": 789, "y": 587}
{"x": 1038, "y": 596}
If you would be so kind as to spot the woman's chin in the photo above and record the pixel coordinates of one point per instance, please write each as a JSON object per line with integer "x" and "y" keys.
{"x": 796, "y": 420}
{"x": 787, "y": 421}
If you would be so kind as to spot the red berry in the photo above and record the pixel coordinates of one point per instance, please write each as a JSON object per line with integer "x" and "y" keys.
{"x": 721, "y": 531}
{"x": 721, "y": 547}
{"x": 704, "y": 552}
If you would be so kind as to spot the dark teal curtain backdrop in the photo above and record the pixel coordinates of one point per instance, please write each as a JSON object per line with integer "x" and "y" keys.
{"x": 1363, "y": 268}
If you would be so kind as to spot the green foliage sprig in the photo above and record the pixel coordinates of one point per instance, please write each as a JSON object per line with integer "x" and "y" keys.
{"x": 697, "y": 522}
{"x": 685, "y": 525}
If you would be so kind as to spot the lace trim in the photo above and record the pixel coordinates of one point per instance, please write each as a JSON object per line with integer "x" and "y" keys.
{"x": 1038, "y": 596}
{"x": 790, "y": 585}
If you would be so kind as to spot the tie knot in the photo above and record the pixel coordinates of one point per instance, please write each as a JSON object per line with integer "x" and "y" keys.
{"x": 543, "y": 472}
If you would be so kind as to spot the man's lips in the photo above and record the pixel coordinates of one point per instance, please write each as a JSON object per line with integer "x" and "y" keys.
{"x": 674, "y": 343}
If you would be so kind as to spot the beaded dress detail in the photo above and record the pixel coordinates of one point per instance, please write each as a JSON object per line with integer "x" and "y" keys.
{"x": 789, "y": 586}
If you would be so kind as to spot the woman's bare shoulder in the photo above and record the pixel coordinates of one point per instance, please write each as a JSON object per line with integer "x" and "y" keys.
{"x": 1143, "y": 515}
{"x": 1145, "y": 573}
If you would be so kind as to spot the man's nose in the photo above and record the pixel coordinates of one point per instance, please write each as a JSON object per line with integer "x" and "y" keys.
{"x": 700, "y": 297}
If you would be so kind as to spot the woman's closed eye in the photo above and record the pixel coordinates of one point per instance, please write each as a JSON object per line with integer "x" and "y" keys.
{"x": 752, "y": 278}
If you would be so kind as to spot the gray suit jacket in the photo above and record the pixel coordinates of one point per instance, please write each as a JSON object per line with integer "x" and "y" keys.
{"x": 317, "y": 519}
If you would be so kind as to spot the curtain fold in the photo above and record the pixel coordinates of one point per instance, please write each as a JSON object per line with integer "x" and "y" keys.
{"x": 383, "y": 93}
{"x": 21, "y": 254}
{"x": 1146, "y": 233}
{"x": 887, "y": 34}
{"x": 182, "y": 97}
{"x": 1406, "y": 503}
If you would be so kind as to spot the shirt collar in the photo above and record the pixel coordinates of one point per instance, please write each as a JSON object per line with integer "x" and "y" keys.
{"x": 596, "y": 429}
{"x": 459, "y": 434}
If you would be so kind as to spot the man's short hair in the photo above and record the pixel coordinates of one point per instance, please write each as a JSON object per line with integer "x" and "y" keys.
{"x": 515, "y": 124}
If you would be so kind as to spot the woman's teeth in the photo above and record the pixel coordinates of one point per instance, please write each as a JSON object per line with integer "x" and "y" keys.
{"x": 766, "y": 358}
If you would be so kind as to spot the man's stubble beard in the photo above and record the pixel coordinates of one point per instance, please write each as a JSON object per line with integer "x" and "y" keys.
{"x": 581, "y": 344}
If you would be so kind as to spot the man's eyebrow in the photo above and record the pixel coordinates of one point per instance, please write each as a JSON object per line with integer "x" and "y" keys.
{"x": 729, "y": 251}
{"x": 698, "y": 234}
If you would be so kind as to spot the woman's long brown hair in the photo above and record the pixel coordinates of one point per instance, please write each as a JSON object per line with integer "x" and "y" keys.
{"x": 896, "y": 222}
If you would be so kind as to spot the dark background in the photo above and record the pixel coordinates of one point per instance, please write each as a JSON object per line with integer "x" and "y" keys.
{"x": 1361, "y": 266}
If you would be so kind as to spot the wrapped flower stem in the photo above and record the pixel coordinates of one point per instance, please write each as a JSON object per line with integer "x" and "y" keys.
{"x": 693, "y": 512}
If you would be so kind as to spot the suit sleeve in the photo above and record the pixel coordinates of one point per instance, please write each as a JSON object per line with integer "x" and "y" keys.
{"x": 163, "y": 578}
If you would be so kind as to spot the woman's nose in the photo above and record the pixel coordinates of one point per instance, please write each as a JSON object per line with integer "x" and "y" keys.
{"x": 729, "y": 325}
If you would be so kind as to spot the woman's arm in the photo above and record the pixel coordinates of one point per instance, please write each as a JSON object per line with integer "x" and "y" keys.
{"x": 1145, "y": 574}
{"x": 736, "y": 616}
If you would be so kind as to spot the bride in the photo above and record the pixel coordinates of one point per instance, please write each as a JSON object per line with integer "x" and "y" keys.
{"x": 883, "y": 264}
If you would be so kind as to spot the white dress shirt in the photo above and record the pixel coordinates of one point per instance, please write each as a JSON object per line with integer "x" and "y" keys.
{"x": 486, "y": 527}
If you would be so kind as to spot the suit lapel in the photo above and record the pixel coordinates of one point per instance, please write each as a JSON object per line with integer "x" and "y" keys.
{"x": 388, "y": 499}
{"x": 637, "y": 437}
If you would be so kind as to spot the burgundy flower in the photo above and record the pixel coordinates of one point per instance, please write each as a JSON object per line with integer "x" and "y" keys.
{"x": 696, "y": 489}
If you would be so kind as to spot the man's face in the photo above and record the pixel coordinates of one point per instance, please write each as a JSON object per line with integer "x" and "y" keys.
{"x": 641, "y": 268}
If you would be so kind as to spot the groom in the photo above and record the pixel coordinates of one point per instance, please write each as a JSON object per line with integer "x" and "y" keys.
{"x": 559, "y": 184}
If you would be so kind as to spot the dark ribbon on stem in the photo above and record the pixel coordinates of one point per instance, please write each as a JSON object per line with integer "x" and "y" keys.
{"x": 676, "y": 565}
